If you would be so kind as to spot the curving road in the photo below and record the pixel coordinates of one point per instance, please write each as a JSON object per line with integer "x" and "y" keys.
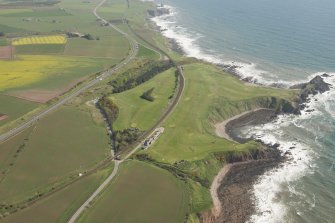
{"x": 130, "y": 57}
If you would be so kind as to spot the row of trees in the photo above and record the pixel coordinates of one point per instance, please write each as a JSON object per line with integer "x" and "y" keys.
{"x": 124, "y": 138}
{"x": 109, "y": 110}
{"x": 134, "y": 77}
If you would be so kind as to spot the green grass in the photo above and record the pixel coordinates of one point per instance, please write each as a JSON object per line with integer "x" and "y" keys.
{"x": 8, "y": 151}
{"x": 10, "y": 29}
{"x": 14, "y": 108}
{"x": 137, "y": 112}
{"x": 39, "y": 49}
{"x": 147, "y": 53}
{"x": 46, "y": 12}
{"x": 210, "y": 96}
{"x": 66, "y": 142}
{"x": 110, "y": 46}
{"x": 140, "y": 193}
{"x": 58, "y": 207}
{"x": 3, "y": 41}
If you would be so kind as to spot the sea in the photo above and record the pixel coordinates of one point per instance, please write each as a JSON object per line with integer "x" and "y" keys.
{"x": 271, "y": 41}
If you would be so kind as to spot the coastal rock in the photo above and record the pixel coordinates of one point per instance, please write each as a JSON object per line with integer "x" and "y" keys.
{"x": 319, "y": 84}
{"x": 158, "y": 12}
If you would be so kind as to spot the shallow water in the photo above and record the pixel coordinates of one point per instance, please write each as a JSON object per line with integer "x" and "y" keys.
{"x": 285, "y": 41}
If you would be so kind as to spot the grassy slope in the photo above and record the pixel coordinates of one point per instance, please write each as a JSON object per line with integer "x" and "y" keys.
{"x": 140, "y": 193}
{"x": 58, "y": 207}
{"x": 51, "y": 153}
{"x": 147, "y": 53}
{"x": 188, "y": 132}
{"x": 140, "y": 113}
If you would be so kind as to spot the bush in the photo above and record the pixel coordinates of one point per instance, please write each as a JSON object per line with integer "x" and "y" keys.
{"x": 125, "y": 138}
{"x": 148, "y": 95}
{"x": 88, "y": 36}
{"x": 109, "y": 109}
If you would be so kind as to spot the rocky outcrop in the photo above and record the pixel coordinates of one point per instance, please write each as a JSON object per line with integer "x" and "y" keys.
{"x": 158, "y": 12}
{"x": 315, "y": 86}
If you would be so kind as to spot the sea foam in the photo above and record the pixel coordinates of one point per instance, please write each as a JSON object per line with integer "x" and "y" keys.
{"x": 270, "y": 208}
{"x": 188, "y": 41}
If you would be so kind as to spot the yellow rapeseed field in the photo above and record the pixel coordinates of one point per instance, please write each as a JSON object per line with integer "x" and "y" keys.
{"x": 54, "y": 39}
{"x": 26, "y": 70}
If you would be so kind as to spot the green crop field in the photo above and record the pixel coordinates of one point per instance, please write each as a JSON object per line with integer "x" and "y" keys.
{"x": 14, "y": 108}
{"x": 110, "y": 46}
{"x": 3, "y": 42}
{"x": 140, "y": 193}
{"x": 50, "y": 154}
{"x": 137, "y": 112}
{"x": 58, "y": 207}
{"x": 36, "y": 12}
{"x": 40, "y": 49}
{"x": 210, "y": 96}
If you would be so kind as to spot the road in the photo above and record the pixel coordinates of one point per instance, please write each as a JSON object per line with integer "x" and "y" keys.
{"x": 93, "y": 196}
{"x": 32, "y": 120}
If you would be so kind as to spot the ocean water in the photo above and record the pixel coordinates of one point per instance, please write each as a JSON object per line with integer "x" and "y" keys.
{"x": 286, "y": 41}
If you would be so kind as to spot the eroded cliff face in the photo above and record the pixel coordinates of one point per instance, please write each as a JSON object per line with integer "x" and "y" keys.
{"x": 158, "y": 12}
{"x": 235, "y": 189}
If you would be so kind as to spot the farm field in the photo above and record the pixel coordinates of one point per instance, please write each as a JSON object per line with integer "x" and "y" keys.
{"x": 55, "y": 73}
{"x": 210, "y": 96}
{"x": 60, "y": 205}
{"x": 41, "y": 78}
{"x": 39, "y": 49}
{"x": 55, "y": 39}
{"x": 49, "y": 155}
{"x": 140, "y": 113}
{"x": 140, "y": 193}
{"x": 108, "y": 46}
{"x": 3, "y": 41}
{"x": 15, "y": 108}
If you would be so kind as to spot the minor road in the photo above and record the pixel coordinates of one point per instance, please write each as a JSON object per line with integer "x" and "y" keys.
{"x": 171, "y": 108}
{"x": 107, "y": 73}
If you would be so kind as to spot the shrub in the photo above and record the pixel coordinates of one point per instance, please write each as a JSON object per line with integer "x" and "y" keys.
{"x": 147, "y": 95}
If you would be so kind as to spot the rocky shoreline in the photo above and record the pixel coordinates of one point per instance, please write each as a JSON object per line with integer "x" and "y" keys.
{"x": 235, "y": 190}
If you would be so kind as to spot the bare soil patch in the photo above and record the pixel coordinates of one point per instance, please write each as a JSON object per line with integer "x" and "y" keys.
{"x": 3, "y": 117}
{"x": 5, "y": 52}
{"x": 40, "y": 96}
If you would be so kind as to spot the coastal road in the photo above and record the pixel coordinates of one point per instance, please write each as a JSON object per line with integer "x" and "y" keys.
{"x": 107, "y": 73}
{"x": 166, "y": 114}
